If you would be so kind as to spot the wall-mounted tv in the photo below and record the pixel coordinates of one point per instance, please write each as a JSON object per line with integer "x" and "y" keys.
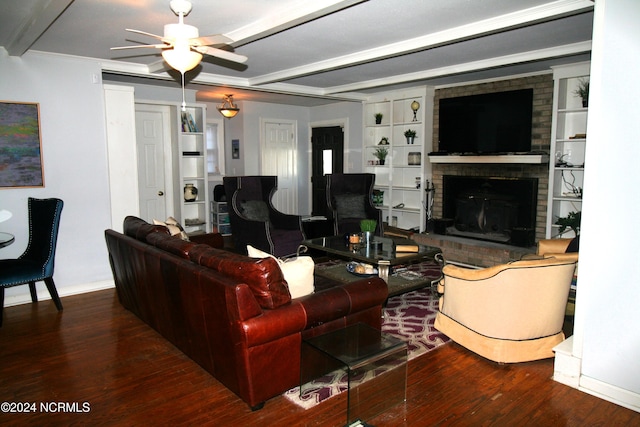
{"x": 490, "y": 123}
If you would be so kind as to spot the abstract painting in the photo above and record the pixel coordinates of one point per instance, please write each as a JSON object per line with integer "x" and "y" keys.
{"x": 20, "y": 146}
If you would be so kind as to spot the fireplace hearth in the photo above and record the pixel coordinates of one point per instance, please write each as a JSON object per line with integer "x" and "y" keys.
{"x": 491, "y": 208}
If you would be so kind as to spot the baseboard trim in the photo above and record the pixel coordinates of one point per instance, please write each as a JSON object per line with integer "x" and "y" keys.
{"x": 43, "y": 294}
{"x": 611, "y": 393}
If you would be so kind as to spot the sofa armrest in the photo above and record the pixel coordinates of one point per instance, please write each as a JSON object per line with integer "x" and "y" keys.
{"x": 274, "y": 324}
{"x": 339, "y": 301}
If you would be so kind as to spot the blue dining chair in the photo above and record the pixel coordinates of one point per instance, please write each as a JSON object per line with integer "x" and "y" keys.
{"x": 37, "y": 261}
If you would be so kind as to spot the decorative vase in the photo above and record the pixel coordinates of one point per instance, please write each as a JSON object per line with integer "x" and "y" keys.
{"x": 585, "y": 102}
{"x": 190, "y": 193}
{"x": 414, "y": 158}
{"x": 381, "y": 162}
{"x": 378, "y": 120}
{"x": 367, "y": 237}
{"x": 410, "y": 139}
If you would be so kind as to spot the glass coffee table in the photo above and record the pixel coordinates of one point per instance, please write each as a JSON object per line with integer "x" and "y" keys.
{"x": 373, "y": 362}
{"x": 381, "y": 253}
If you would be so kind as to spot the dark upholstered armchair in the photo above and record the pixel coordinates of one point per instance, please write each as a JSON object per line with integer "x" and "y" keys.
{"x": 254, "y": 219}
{"x": 349, "y": 200}
{"x": 37, "y": 261}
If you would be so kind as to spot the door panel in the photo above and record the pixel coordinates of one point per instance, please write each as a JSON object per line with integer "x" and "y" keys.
{"x": 327, "y": 156}
{"x": 150, "y": 146}
{"x": 279, "y": 158}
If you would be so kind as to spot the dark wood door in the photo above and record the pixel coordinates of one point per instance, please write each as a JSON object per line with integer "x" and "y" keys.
{"x": 327, "y": 157}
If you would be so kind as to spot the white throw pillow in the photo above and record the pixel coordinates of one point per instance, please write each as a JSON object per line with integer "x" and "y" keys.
{"x": 174, "y": 227}
{"x": 298, "y": 272}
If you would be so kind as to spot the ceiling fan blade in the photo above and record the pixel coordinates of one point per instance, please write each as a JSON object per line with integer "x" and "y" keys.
{"x": 229, "y": 56}
{"x": 156, "y": 46}
{"x": 144, "y": 33}
{"x": 212, "y": 39}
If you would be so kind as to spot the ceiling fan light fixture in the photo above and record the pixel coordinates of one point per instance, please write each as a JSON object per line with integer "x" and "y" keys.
{"x": 228, "y": 109}
{"x": 182, "y": 58}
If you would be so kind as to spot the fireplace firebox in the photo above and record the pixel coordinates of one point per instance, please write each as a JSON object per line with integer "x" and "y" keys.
{"x": 491, "y": 208}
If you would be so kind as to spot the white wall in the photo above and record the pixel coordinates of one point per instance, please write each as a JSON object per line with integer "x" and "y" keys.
{"x": 607, "y": 335}
{"x": 75, "y": 167}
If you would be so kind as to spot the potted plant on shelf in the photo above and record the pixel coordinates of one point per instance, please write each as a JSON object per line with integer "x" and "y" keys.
{"x": 410, "y": 135}
{"x": 572, "y": 221}
{"x": 583, "y": 91}
{"x": 381, "y": 154}
{"x": 378, "y": 117}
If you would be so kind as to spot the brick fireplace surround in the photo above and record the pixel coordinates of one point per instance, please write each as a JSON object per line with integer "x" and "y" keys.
{"x": 477, "y": 252}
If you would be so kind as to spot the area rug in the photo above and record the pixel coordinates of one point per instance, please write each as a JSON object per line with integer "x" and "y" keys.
{"x": 409, "y": 317}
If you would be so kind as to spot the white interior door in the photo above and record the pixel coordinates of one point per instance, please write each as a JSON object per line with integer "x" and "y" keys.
{"x": 150, "y": 149}
{"x": 279, "y": 157}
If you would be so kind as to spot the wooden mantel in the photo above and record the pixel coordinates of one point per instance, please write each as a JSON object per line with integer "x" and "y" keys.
{"x": 503, "y": 159}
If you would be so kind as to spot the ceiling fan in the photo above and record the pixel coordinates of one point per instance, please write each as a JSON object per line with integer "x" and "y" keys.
{"x": 182, "y": 47}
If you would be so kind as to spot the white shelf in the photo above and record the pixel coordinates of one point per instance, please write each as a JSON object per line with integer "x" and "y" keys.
{"x": 192, "y": 169}
{"x": 569, "y": 120}
{"x": 507, "y": 158}
{"x": 397, "y": 177}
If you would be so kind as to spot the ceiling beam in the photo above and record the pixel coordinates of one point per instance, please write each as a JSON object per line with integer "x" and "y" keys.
{"x": 43, "y": 14}
{"x": 304, "y": 12}
{"x": 484, "y": 64}
{"x": 482, "y": 28}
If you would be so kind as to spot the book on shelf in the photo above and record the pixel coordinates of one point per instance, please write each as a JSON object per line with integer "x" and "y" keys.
{"x": 188, "y": 124}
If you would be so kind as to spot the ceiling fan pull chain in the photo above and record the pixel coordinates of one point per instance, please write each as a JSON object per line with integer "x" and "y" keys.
{"x": 184, "y": 104}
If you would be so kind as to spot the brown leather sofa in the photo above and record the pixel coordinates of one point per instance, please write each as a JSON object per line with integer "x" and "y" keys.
{"x": 231, "y": 314}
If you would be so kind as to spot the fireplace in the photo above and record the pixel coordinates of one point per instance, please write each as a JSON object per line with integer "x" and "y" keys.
{"x": 491, "y": 208}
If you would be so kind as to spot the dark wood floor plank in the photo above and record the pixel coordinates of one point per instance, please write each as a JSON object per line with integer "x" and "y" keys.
{"x": 97, "y": 352}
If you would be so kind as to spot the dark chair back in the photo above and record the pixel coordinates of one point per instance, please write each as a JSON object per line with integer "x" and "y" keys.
{"x": 255, "y": 221}
{"x": 44, "y": 221}
{"x": 358, "y": 187}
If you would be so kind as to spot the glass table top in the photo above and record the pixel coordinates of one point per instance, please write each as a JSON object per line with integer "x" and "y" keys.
{"x": 6, "y": 239}
{"x": 383, "y": 249}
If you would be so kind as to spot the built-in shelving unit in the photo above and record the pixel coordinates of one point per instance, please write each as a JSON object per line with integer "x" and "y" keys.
{"x": 192, "y": 168}
{"x": 402, "y": 177}
{"x": 568, "y": 142}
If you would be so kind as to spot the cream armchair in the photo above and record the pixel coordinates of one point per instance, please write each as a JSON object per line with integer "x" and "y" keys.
{"x": 556, "y": 248}
{"x": 507, "y": 313}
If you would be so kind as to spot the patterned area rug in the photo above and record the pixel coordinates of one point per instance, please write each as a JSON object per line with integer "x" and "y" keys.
{"x": 409, "y": 317}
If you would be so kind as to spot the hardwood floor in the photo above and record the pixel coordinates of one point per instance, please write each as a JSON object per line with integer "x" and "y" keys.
{"x": 99, "y": 353}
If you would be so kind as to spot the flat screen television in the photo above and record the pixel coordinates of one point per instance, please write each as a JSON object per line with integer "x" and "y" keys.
{"x": 490, "y": 123}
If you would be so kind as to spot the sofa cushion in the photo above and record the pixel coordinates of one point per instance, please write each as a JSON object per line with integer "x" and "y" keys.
{"x": 174, "y": 246}
{"x": 263, "y": 276}
{"x": 139, "y": 229}
{"x": 298, "y": 271}
{"x": 350, "y": 206}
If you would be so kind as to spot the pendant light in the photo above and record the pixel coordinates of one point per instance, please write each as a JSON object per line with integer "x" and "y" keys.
{"x": 228, "y": 109}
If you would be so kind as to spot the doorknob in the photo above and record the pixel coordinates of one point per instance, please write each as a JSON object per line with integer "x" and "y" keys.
{"x": 160, "y": 193}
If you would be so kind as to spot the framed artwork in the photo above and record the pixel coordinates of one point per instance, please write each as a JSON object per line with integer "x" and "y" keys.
{"x": 20, "y": 145}
{"x": 235, "y": 148}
